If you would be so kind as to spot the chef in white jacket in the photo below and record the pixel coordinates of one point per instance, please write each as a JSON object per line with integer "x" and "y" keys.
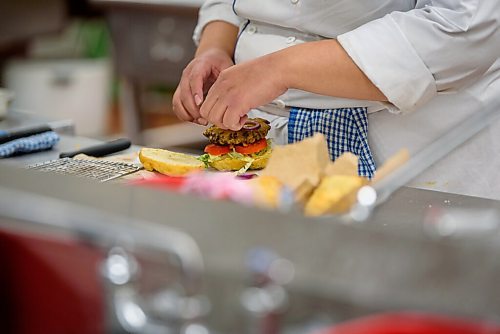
{"x": 394, "y": 73}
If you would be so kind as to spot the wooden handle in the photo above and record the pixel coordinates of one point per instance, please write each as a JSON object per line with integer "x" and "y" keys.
{"x": 391, "y": 164}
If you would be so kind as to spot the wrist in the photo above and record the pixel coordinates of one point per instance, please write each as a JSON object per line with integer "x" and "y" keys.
{"x": 282, "y": 68}
{"x": 214, "y": 51}
{"x": 218, "y": 35}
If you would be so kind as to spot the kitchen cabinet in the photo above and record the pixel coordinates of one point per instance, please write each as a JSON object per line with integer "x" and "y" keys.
{"x": 43, "y": 17}
{"x": 152, "y": 45}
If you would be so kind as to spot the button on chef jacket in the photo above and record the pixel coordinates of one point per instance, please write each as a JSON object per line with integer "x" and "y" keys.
{"x": 437, "y": 62}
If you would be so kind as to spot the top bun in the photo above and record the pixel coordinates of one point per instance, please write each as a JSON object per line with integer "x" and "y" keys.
{"x": 169, "y": 163}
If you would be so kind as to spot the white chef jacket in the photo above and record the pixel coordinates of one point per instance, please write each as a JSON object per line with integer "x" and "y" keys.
{"x": 435, "y": 60}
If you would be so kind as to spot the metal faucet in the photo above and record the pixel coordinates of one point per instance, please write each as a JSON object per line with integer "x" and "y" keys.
{"x": 170, "y": 310}
{"x": 265, "y": 300}
{"x": 167, "y": 311}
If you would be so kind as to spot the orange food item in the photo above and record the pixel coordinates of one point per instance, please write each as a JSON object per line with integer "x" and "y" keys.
{"x": 251, "y": 148}
{"x": 217, "y": 149}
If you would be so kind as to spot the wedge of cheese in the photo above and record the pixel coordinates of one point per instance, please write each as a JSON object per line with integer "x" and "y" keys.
{"x": 335, "y": 194}
{"x": 299, "y": 166}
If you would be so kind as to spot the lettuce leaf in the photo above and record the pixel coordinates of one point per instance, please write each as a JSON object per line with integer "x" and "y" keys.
{"x": 205, "y": 158}
{"x": 208, "y": 159}
{"x": 264, "y": 151}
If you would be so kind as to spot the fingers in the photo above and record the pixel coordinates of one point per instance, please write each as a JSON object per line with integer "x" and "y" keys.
{"x": 243, "y": 120}
{"x": 186, "y": 104}
{"x": 216, "y": 114}
{"x": 196, "y": 82}
{"x": 219, "y": 113}
{"x": 187, "y": 99}
{"x": 232, "y": 119}
{"x": 206, "y": 107}
{"x": 202, "y": 121}
{"x": 182, "y": 113}
{"x": 179, "y": 109}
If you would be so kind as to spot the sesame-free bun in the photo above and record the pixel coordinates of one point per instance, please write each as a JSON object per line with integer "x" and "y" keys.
{"x": 228, "y": 163}
{"x": 169, "y": 163}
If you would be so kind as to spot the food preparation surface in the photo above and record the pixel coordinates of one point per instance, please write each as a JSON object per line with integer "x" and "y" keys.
{"x": 67, "y": 143}
{"x": 20, "y": 119}
{"x": 387, "y": 262}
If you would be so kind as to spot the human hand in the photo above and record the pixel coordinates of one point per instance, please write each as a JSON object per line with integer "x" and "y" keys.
{"x": 243, "y": 87}
{"x": 197, "y": 78}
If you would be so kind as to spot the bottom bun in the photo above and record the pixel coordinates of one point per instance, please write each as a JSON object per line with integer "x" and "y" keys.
{"x": 228, "y": 163}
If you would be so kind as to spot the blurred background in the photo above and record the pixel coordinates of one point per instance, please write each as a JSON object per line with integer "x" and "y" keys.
{"x": 109, "y": 66}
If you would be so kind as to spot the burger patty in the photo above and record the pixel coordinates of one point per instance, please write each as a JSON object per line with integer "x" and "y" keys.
{"x": 219, "y": 136}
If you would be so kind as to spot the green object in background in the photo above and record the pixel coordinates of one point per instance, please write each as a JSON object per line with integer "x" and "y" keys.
{"x": 81, "y": 39}
{"x": 94, "y": 38}
{"x": 94, "y": 42}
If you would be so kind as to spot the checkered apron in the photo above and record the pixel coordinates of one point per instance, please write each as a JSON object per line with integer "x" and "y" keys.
{"x": 345, "y": 129}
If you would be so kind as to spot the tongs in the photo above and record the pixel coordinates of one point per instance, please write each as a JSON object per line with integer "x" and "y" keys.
{"x": 371, "y": 196}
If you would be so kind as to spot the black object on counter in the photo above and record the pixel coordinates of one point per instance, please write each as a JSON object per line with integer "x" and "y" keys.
{"x": 101, "y": 149}
{"x": 8, "y": 135}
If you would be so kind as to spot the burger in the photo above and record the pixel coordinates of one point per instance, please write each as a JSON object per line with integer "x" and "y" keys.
{"x": 239, "y": 150}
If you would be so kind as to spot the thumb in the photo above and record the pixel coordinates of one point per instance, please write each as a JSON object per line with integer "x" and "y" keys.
{"x": 196, "y": 82}
{"x": 243, "y": 120}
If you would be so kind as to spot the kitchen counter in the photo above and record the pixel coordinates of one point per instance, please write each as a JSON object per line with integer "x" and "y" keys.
{"x": 395, "y": 260}
{"x": 65, "y": 129}
{"x": 19, "y": 119}
{"x": 421, "y": 250}
{"x": 66, "y": 144}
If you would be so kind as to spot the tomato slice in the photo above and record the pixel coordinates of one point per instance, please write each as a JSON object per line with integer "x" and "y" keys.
{"x": 217, "y": 149}
{"x": 251, "y": 148}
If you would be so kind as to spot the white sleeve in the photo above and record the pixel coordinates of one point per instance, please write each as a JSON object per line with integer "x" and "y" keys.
{"x": 215, "y": 10}
{"x": 435, "y": 48}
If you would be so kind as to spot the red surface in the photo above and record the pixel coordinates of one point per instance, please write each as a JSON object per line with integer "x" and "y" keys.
{"x": 411, "y": 323}
{"x": 53, "y": 286}
{"x": 162, "y": 182}
{"x": 214, "y": 149}
{"x": 251, "y": 148}
{"x": 49, "y": 286}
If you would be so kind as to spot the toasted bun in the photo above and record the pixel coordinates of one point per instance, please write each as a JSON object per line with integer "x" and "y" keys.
{"x": 228, "y": 163}
{"x": 169, "y": 163}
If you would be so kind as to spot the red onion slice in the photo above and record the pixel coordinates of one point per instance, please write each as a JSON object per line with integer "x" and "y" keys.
{"x": 251, "y": 125}
{"x": 246, "y": 176}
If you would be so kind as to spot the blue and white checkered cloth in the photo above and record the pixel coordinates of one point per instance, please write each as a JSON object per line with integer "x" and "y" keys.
{"x": 35, "y": 143}
{"x": 345, "y": 129}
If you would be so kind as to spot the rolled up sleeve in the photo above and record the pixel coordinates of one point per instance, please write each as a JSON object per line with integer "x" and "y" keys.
{"x": 412, "y": 56}
{"x": 215, "y": 10}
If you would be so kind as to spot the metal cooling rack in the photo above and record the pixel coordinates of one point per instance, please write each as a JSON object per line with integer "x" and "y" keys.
{"x": 95, "y": 169}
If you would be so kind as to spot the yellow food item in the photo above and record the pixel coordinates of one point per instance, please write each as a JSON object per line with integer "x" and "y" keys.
{"x": 346, "y": 164}
{"x": 335, "y": 194}
{"x": 299, "y": 166}
{"x": 169, "y": 163}
{"x": 267, "y": 191}
{"x": 228, "y": 163}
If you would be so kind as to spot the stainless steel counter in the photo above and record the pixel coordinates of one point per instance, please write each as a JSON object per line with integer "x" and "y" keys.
{"x": 421, "y": 250}
{"x": 66, "y": 144}
{"x": 393, "y": 261}
{"x": 18, "y": 119}
{"x": 65, "y": 128}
